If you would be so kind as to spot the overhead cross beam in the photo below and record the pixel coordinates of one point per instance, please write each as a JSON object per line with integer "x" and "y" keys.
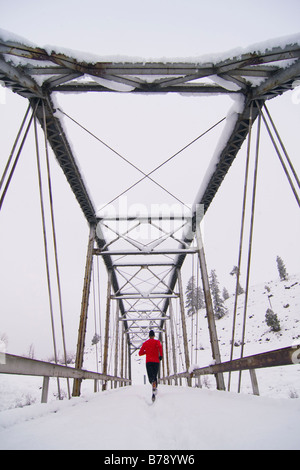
{"x": 60, "y": 72}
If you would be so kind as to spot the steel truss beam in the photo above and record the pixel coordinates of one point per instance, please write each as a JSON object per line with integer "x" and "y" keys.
{"x": 64, "y": 73}
{"x": 143, "y": 286}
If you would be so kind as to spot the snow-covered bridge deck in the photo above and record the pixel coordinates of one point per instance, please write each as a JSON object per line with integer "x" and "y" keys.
{"x": 181, "y": 419}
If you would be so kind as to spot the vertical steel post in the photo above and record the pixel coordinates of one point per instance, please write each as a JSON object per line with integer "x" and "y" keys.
{"x": 84, "y": 310}
{"x": 122, "y": 353}
{"x": 209, "y": 309}
{"x": 125, "y": 362}
{"x": 173, "y": 340}
{"x": 166, "y": 354}
{"x": 162, "y": 363}
{"x": 129, "y": 359}
{"x": 117, "y": 343}
{"x": 250, "y": 243}
{"x": 107, "y": 320}
{"x": 184, "y": 331}
{"x": 254, "y": 381}
{"x": 45, "y": 390}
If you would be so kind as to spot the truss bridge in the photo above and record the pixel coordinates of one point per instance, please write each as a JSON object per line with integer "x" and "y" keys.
{"x": 144, "y": 253}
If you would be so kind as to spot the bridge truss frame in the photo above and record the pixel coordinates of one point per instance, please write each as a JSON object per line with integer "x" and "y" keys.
{"x": 35, "y": 73}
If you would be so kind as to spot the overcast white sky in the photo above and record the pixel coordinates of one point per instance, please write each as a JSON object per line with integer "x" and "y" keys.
{"x": 147, "y": 130}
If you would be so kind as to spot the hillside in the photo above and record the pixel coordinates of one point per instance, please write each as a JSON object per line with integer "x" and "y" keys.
{"x": 283, "y": 297}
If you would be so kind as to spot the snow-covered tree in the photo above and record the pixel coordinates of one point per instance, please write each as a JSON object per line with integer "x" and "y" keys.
{"x": 218, "y": 303}
{"x": 225, "y": 294}
{"x": 234, "y": 272}
{"x": 4, "y": 339}
{"x": 31, "y": 352}
{"x": 96, "y": 339}
{"x": 281, "y": 269}
{"x": 194, "y": 297}
{"x": 272, "y": 320}
{"x": 3, "y": 346}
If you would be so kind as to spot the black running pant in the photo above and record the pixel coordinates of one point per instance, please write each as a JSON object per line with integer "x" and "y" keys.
{"x": 152, "y": 371}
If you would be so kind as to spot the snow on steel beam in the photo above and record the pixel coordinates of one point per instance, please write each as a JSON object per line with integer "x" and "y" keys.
{"x": 178, "y": 75}
{"x": 18, "y": 81}
{"x": 278, "y": 82}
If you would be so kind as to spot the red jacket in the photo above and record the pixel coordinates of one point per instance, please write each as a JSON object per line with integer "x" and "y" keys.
{"x": 153, "y": 350}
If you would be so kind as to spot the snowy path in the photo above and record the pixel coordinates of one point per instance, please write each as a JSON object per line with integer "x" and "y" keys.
{"x": 182, "y": 418}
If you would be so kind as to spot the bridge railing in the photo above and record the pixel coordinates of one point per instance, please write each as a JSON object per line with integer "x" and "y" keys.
{"x": 278, "y": 357}
{"x": 18, "y": 365}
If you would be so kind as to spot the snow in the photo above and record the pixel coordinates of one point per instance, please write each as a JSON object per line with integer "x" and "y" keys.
{"x": 207, "y": 59}
{"x": 115, "y": 86}
{"x": 182, "y": 417}
{"x": 8, "y": 36}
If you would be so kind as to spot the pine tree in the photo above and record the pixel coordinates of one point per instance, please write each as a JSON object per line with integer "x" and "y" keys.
{"x": 96, "y": 339}
{"x": 225, "y": 294}
{"x": 194, "y": 297}
{"x": 218, "y": 304}
{"x": 31, "y": 352}
{"x": 272, "y": 320}
{"x": 234, "y": 272}
{"x": 281, "y": 269}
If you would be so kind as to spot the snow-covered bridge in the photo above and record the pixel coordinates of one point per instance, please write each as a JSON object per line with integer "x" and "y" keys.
{"x": 144, "y": 249}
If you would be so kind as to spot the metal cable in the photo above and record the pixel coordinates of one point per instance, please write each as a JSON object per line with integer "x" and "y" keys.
{"x": 241, "y": 239}
{"x": 281, "y": 160}
{"x": 250, "y": 242}
{"x": 283, "y": 147}
{"x": 145, "y": 175}
{"x": 162, "y": 164}
{"x": 16, "y": 160}
{"x": 55, "y": 243}
{"x": 123, "y": 158}
{"x": 46, "y": 247}
{"x": 14, "y": 146}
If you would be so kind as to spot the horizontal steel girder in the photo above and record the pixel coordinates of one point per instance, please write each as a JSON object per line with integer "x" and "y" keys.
{"x": 144, "y": 319}
{"x": 144, "y": 252}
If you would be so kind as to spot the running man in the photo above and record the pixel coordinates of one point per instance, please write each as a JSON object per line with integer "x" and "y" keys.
{"x": 153, "y": 350}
